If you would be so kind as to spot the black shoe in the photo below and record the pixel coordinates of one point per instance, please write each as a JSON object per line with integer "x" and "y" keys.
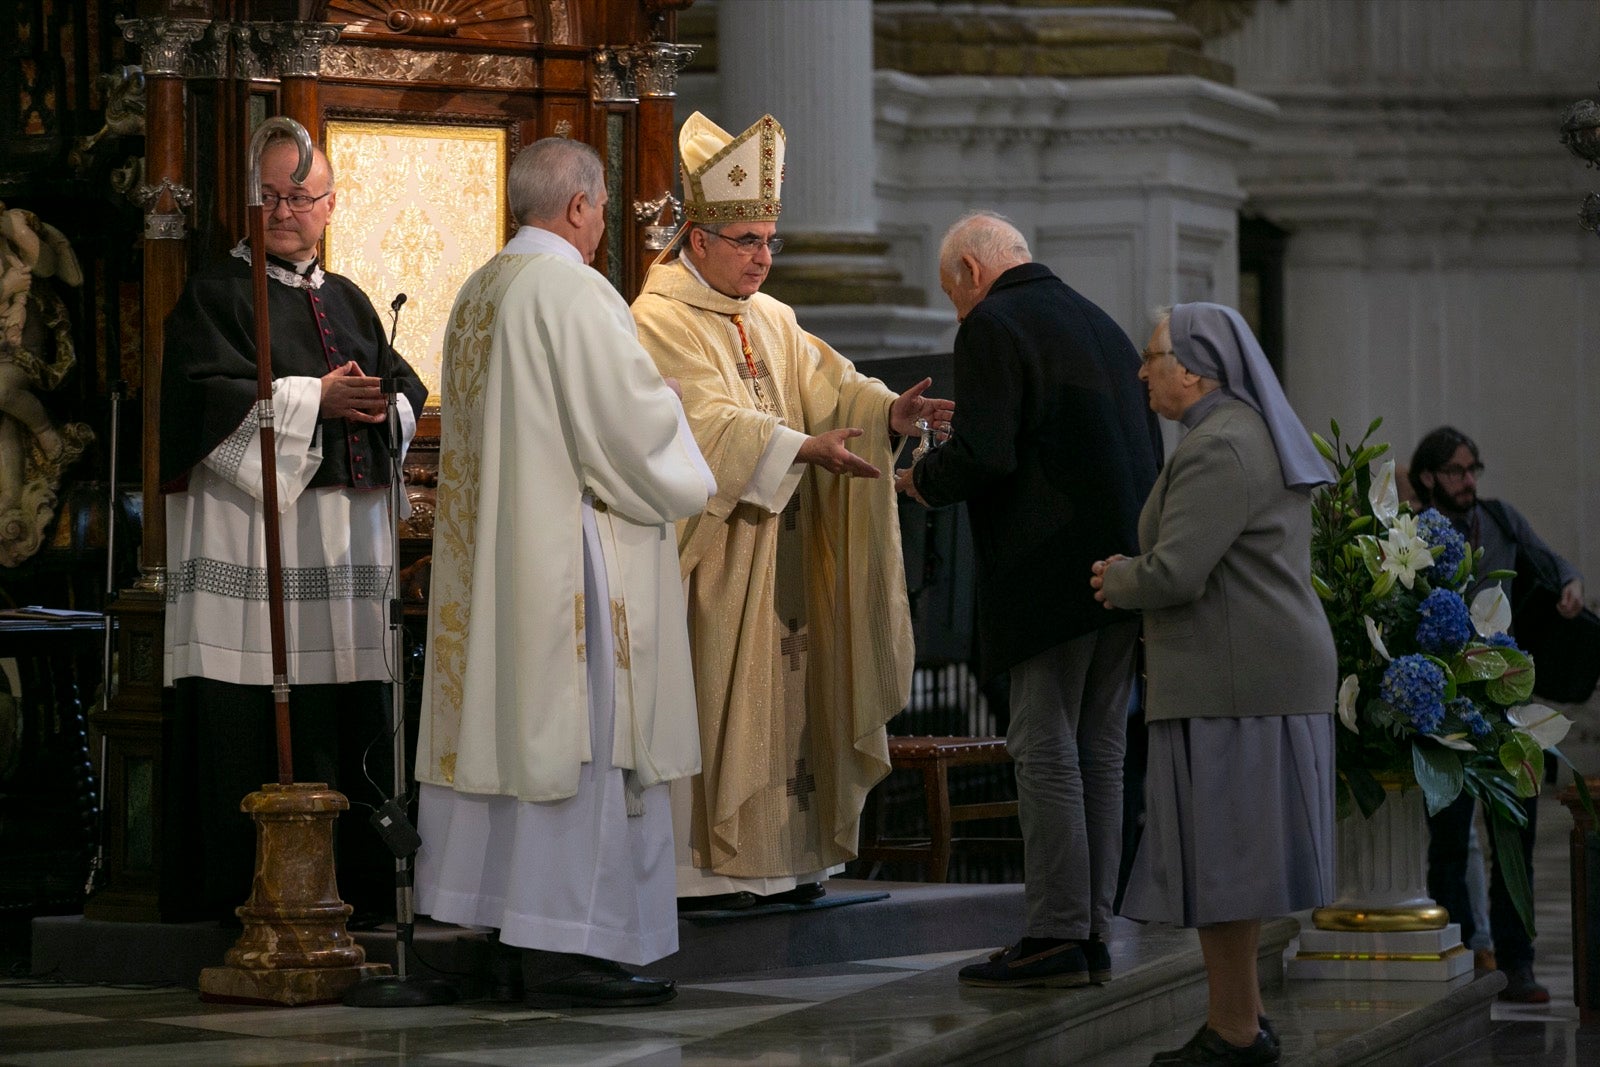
{"x": 504, "y": 983}
{"x": 601, "y": 984}
{"x": 720, "y": 902}
{"x": 1208, "y": 1047}
{"x": 1523, "y": 988}
{"x": 804, "y": 893}
{"x": 367, "y": 920}
{"x": 1174, "y": 1055}
{"x": 1060, "y": 966}
{"x": 1098, "y": 957}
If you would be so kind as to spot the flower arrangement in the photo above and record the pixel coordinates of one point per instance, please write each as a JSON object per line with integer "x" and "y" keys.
{"x": 1433, "y": 690}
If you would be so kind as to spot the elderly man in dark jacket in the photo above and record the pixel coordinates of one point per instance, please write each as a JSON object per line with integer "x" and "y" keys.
{"x": 1054, "y": 453}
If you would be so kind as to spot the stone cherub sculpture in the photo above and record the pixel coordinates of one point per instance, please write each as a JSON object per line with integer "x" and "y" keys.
{"x": 36, "y": 352}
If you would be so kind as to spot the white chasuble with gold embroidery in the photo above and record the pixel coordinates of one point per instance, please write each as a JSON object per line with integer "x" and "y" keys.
{"x": 797, "y": 605}
{"x": 546, "y": 397}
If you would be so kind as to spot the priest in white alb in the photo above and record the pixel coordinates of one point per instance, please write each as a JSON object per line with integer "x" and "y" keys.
{"x": 797, "y": 603}
{"x": 558, "y": 696}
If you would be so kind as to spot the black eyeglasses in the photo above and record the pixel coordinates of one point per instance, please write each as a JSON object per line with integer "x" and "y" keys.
{"x": 298, "y": 202}
{"x": 1456, "y": 470}
{"x": 748, "y": 244}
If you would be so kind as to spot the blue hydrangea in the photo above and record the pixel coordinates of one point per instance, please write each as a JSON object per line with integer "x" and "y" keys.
{"x": 1437, "y": 530}
{"x": 1465, "y": 710}
{"x": 1444, "y": 625}
{"x": 1414, "y": 686}
{"x": 1503, "y": 640}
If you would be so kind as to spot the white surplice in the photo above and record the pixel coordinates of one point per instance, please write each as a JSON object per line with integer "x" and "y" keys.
{"x": 336, "y": 552}
{"x": 554, "y": 866}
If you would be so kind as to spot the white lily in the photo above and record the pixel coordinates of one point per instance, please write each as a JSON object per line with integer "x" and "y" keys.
{"x": 1544, "y": 725}
{"x": 1384, "y": 497}
{"x": 1375, "y": 635}
{"x": 1491, "y": 611}
{"x": 1405, "y": 553}
{"x": 1349, "y": 689}
{"x": 1458, "y": 742}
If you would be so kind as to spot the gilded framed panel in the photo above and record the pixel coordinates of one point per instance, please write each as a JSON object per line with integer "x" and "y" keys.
{"x": 420, "y": 207}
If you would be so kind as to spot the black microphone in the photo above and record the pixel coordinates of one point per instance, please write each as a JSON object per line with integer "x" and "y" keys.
{"x": 393, "y": 385}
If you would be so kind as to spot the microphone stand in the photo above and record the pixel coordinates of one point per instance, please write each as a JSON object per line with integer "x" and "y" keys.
{"x": 400, "y": 989}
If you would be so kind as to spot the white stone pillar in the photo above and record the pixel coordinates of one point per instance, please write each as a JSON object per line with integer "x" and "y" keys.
{"x": 809, "y": 64}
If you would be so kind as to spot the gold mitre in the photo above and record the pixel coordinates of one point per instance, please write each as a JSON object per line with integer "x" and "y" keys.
{"x": 731, "y": 179}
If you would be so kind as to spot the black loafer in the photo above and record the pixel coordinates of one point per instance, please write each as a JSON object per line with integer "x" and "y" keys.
{"x": 1176, "y": 1055}
{"x": 1062, "y": 966}
{"x": 604, "y": 986}
{"x": 1208, "y": 1047}
{"x": 804, "y": 893}
{"x": 719, "y": 902}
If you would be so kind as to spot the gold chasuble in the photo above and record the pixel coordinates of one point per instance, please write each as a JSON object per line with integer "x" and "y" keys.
{"x": 798, "y": 623}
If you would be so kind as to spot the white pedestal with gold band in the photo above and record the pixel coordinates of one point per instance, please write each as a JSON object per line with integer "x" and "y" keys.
{"x": 1384, "y": 925}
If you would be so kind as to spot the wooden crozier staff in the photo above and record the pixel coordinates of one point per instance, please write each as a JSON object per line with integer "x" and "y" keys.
{"x": 264, "y": 414}
{"x": 294, "y": 949}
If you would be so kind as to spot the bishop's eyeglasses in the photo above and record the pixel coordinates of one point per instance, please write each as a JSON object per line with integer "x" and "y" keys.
{"x": 749, "y": 243}
{"x": 297, "y": 202}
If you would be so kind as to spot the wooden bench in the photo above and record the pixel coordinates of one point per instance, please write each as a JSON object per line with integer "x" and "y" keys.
{"x": 934, "y": 756}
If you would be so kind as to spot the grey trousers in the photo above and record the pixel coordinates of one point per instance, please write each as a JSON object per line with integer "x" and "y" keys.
{"x": 1069, "y": 707}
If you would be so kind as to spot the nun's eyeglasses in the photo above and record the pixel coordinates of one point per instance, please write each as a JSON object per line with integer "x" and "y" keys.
{"x": 1148, "y": 356}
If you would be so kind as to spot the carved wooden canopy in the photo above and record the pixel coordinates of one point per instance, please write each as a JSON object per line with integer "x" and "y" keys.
{"x": 521, "y": 21}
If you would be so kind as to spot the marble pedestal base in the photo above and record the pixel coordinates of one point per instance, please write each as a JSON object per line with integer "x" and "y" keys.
{"x": 291, "y": 987}
{"x": 1414, "y": 955}
{"x": 295, "y": 948}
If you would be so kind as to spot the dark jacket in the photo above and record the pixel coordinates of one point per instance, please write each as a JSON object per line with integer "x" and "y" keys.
{"x": 1054, "y": 450}
{"x": 208, "y": 372}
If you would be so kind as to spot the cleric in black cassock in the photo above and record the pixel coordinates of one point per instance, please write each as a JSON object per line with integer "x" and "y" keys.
{"x": 329, "y": 349}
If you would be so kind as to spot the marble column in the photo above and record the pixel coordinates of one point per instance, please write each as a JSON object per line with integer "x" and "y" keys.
{"x": 809, "y": 63}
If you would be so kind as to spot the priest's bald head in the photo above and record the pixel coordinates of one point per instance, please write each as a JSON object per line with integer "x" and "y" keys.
{"x": 297, "y": 212}
{"x": 559, "y": 184}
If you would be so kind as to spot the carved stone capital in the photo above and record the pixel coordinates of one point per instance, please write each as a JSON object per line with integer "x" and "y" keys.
{"x": 656, "y": 65}
{"x": 296, "y": 47}
{"x": 209, "y": 57}
{"x": 248, "y": 62}
{"x": 164, "y": 44}
{"x": 613, "y": 77}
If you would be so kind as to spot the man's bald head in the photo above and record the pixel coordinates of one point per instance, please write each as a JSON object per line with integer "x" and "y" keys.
{"x": 975, "y": 251}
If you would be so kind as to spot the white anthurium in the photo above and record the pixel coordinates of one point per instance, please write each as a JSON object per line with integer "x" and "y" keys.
{"x": 1405, "y": 553}
{"x": 1460, "y": 742}
{"x": 1385, "y": 497}
{"x": 1491, "y": 611}
{"x": 1375, "y": 635}
{"x": 1545, "y": 725}
{"x": 1349, "y": 689}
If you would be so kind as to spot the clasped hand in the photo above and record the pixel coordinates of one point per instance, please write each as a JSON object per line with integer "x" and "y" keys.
{"x": 349, "y": 394}
{"x": 1097, "y": 579}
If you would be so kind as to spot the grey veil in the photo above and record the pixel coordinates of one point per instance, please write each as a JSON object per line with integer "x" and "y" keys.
{"x": 1215, "y": 342}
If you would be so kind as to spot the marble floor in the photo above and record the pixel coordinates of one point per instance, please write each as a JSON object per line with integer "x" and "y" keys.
{"x": 872, "y": 1010}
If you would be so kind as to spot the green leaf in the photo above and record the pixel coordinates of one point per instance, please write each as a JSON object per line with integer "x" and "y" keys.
{"x": 1439, "y": 773}
{"x": 1321, "y": 587}
{"x": 1522, "y": 757}
{"x": 1502, "y": 575}
{"x": 1373, "y": 427}
{"x": 1362, "y": 523}
{"x": 1383, "y": 585}
{"x": 1508, "y": 850}
{"x": 1478, "y": 663}
{"x": 1335, "y": 424}
{"x": 1515, "y": 685}
{"x": 1325, "y": 448}
{"x": 1366, "y": 790}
